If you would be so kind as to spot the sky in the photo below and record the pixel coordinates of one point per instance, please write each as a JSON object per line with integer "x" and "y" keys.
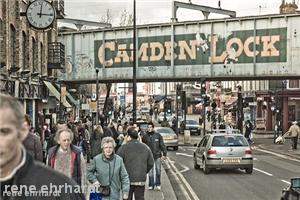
{"x": 160, "y": 11}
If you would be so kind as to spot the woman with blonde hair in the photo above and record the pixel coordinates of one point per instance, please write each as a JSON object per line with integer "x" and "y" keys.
{"x": 107, "y": 171}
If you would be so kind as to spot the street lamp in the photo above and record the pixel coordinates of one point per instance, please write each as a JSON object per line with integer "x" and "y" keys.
{"x": 240, "y": 108}
{"x": 134, "y": 63}
{"x": 97, "y": 97}
{"x": 283, "y": 84}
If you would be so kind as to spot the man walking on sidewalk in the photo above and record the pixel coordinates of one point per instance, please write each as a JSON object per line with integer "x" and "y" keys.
{"x": 138, "y": 162}
{"x": 294, "y": 133}
{"x": 159, "y": 151}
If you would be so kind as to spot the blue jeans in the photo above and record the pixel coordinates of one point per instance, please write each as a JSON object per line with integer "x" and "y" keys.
{"x": 154, "y": 174}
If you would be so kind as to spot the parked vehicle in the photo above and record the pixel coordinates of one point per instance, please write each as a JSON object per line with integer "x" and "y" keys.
{"x": 162, "y": 115}
{"x": 192, "y": 126}
{"x": 144, "y": 110}
{"x": 293, "y": 191}
{"x": 223, "y": 150}
{"x": 169, "y": 136}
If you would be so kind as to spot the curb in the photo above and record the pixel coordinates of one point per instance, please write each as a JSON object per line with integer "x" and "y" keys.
{"x": 167, "y": 190}
{"x": 261, "y": 146}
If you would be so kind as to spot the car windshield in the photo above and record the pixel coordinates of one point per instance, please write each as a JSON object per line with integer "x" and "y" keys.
{"x": 229, "y": 140}
{"x": 164, "y": 131}
{"x": 193, "y": 122}
{"x": 295, "y": 183}
{"x": 162, "y": 114}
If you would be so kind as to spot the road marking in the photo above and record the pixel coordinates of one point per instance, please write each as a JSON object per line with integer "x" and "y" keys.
{"x": 168, "y": 162}
{"x": 184, "y": 181}
{"x": 278, "y": 155}
{"x": 286, "y": 181}
{"x": 255, "y": 159}
{"x": 185, "y": 169}
{"x": 184, "y": 154}
{"x": 263, "y": 172}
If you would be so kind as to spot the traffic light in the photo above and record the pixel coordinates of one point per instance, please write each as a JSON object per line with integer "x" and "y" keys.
{"x": 183, "y": 100}
{"x": 206, "y": 100}
{"x": 203, "y": 88}
{"x": 167, "y": 106}
{"x": 245, "y": 103}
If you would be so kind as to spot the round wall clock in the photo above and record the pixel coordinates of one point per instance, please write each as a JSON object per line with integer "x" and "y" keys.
{"x": 40, "y": 14}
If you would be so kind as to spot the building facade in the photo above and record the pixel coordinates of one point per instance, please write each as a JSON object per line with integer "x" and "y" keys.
{"x": 27, "y": 58}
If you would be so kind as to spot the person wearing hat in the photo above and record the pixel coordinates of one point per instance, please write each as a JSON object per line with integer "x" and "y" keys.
{"x": 138, "y": 160}
{"x": 293, "y": 133}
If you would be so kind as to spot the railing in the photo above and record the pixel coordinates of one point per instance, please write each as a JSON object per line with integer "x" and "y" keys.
{"x": 56, "y": 55}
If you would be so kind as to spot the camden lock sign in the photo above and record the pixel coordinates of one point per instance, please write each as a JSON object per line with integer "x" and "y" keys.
{"x": 196, "y": 49}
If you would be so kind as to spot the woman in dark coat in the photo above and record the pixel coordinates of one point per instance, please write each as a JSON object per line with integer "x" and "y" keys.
{"x": 96, "y": 138}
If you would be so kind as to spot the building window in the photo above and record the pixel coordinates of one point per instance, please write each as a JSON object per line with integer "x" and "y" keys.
{"x": 1, "y": 42}
{"x": 42, "y": 56}
{"x": 33, "y": 53}
{"x": 294, "y": 84}
{"x": 13, "y": 41}
{"x": 23, "y": 50}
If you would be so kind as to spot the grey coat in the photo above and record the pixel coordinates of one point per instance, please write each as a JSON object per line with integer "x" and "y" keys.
{"x": 99, "y": 171}
{"x": 138, "y": 160}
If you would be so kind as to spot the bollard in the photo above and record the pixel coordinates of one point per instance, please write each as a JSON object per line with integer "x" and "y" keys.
{"x": 187, "y": 137}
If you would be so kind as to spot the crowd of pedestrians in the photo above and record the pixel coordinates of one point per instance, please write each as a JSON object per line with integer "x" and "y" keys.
{"x": 114, "y": 157}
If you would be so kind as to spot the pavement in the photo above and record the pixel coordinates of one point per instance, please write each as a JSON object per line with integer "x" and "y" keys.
{"x": 266, "y": 142}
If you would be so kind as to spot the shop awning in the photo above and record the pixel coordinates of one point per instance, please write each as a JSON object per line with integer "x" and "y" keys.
{"x": 56, "y": 93}
{"x": 158, "y": 98}
{"x": 71, "y": 98}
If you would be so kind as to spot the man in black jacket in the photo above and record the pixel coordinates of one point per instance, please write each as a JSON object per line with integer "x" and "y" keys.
{"x": 156, "y": 143}
{"x": 138, "y": 161}
{"x": 20, "y": 176}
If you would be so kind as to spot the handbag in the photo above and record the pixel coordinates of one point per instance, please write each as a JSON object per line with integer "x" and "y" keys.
{"x": 105, "y": 190}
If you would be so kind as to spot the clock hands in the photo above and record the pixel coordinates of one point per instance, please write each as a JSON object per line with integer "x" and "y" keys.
{"x": 47, "y": 14}
{"x": 41, "y": 10}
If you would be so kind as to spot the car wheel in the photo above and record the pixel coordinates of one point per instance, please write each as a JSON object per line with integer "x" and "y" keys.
{"x": 196, "y": 166}
{"x": 249, "y": 170}
{"x": 175, "y": 148}
{"x": 204, "y": 167}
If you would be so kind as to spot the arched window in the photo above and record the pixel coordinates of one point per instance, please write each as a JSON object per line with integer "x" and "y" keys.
{"x": 23, "y": 50}
{"x": 2, "y": 47}
{"x": 33, "y": 53}
{"x": 42, "y": 58}
{"x": 13, "y": 41}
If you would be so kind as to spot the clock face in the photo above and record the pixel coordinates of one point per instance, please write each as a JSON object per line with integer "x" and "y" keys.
{"x": 40, "y": 14}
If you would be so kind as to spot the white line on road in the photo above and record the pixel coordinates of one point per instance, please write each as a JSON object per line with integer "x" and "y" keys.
{"x": 263, "y": 172}
{"x": 278, "y": 155}
{"x": 168, "y": 162}
{"x": 185, "y": 169}
{"x": 184, "y": 181}
{"x": 286, "y": 181}
{"x": 184, "y": 154}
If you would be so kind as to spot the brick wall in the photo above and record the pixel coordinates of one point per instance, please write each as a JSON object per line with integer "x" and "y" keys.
{"x": 10, "y": 16}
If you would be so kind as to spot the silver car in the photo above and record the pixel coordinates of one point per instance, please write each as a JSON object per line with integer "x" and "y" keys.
{"x": 169, "y": 136}
{"x": 223, "y": 150}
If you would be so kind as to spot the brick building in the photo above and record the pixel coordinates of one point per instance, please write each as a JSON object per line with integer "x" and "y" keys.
{"x": 28, "y": 58}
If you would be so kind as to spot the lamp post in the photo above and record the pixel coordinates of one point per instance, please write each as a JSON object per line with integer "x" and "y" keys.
{"x": 97, "y": 97}
{"x": 240, "y": 109}
{"x": 282, "y": 104}
{"x": 60, "y": 104}
{"x": 134, "y": 63}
